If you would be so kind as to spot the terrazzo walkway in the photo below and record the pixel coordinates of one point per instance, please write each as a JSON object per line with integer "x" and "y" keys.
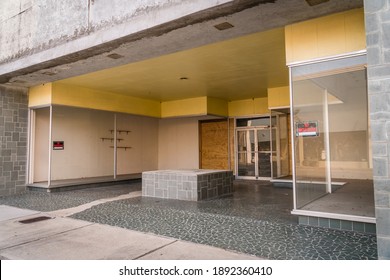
{"x": 255, "y": 220}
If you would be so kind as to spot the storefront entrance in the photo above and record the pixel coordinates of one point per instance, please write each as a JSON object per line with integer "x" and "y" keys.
{"x": 262, "y": 147}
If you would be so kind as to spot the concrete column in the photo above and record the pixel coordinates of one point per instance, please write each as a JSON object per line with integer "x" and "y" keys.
{"x": 377, "y": 17}
{"x": 13, "y": 140}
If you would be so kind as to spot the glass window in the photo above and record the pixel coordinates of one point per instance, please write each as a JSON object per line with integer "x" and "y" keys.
{"x": 260, "y": 122}
{"x": 331, "y": 137}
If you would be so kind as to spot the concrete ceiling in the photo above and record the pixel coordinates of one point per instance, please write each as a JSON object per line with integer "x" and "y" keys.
{"x": 237, "y": 63}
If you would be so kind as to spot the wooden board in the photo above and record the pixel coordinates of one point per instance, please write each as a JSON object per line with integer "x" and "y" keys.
{"x": 214, "y": 144}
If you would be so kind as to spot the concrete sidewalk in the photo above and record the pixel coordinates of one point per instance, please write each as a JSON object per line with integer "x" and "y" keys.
{"x": 60, "y": 237}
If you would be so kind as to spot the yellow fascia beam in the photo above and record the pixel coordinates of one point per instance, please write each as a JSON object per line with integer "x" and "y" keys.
{"x": 248, "y": 107}
{"x": 241, "y": 108}
{"x": 184, "y": 107}
{"x": 326, "y": 36}
{"x": 261, "y": 106}
{"x": 75, "y": 96}
{"x": 217, "y": 107}
{"x": 40, "y": 96}
{"x": 278, "y": 97}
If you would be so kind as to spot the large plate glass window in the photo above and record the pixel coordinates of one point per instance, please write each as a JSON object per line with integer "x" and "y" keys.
{"x": 330, "y": 125}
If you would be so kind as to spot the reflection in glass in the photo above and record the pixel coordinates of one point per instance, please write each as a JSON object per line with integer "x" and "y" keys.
{"x": 331, "y": 137}
{"x": 246, "y": 153}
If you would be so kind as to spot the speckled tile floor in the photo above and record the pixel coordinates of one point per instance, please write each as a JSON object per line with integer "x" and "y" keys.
{"x": 46, "y": 202}
{"x": 255, "y": 220}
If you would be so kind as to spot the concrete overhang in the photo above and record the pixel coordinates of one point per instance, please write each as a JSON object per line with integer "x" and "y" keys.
{"x": 101, "y": 50}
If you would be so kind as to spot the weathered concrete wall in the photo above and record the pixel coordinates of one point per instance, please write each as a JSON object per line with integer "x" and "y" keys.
{"x": 29, "y": 26}
{"x": 13, "y": 140}
{"x": 377, "y": 17}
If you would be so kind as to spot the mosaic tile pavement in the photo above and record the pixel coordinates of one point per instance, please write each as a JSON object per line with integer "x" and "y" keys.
{"x": 46, "y": 202}
{"x": 256, "y": 220}
{"x": 240, "y": 223}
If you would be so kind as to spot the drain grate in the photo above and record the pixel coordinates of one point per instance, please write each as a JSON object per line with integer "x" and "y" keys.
{"x": 34, "y": 220}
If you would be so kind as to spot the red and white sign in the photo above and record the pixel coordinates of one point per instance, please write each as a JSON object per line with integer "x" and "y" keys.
{"x": 58, "y": 145}
{"x": 305, "y": 129}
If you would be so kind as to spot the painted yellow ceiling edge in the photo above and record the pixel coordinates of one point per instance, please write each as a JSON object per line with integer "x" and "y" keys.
{"x": 198, "y": 106}
{"x": 217, "y": 107}
{"x": 248, "y": 107}
{"x": 70, "y": 95}
{"x": 325, "y": 36}
{"x": 279, "y": 97}
{"x": 74, "y": 96}
{"x": 40, "y": 95}
{"x": 184, "y": 107}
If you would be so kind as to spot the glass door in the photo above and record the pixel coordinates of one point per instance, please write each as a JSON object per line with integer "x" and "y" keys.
{"x": 280, "y": 145}
{"x": 246, "y": 155}
{"x": 264, "y": 152}
{"x": 254, "y": 153}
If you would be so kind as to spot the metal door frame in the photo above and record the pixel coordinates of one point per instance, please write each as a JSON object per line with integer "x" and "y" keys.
{"x": 256, "y": 152}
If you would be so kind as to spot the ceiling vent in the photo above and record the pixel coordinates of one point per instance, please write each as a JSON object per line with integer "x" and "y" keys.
{"x": 115, "y": 56}
{"x": 49, "y": 73}
{"x": 316, "y": 2}
{"x": 18, "y": 81}
{"x": 223, "y": 26}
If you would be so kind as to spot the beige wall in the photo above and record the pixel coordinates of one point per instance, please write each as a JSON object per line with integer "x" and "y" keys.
{"x": 86, "y": 154}
{"x": 178, "y": 144}
{"x": 41, "y": 145}
{"x": 143, "y": 140}
{"x": 151, "y": 143}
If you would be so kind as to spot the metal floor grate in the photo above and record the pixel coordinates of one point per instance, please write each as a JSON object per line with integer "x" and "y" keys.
{"x": 34, "y": 220}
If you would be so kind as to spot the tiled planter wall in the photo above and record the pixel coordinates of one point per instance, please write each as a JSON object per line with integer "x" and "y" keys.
{"x": 190, "y": 185}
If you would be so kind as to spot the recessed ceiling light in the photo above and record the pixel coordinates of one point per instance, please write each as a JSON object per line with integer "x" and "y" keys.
{"x": 223, "y": 26}
{"x": 316, "y": 2}
{"x": 115, "y": 56}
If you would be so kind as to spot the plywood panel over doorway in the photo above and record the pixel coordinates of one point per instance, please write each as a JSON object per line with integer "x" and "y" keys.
{"x": 214, "y": 144}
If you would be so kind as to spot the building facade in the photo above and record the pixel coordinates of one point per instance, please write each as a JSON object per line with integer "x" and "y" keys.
{"x": 289, "y": 91}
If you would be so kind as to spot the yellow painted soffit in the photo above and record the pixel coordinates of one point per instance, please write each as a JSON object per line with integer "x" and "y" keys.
{"x": 278, "y": 97}
{"x": 217, "y": 107}
{"x": 235, "y": 69}
{"x": 69, "y": 95}
{"x": 40, "y": 95}
{"x": 248, "y": 107}
{"x": 326, "y": 36}
{"x": 184, "y": 107}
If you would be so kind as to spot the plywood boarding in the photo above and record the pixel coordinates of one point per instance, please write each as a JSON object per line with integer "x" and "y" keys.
{"x": 214, "y": 144}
